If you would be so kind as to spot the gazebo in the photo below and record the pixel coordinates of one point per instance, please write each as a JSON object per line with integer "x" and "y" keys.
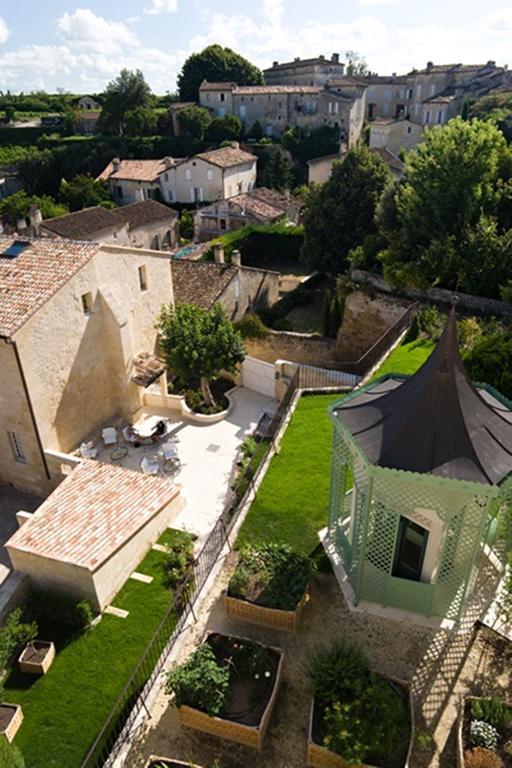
{"x": 421, "y": 479}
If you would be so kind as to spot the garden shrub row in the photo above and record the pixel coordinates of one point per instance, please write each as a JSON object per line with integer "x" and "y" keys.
{"x": 263, "y": 243}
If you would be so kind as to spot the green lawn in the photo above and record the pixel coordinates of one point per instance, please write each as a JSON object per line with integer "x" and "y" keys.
{"x": 65, "y": 709}
{"x": 292, "y": 502}
{"x": 406, "y": 358}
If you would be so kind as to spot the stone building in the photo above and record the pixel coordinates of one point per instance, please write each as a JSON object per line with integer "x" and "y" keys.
{"x": 395, "y": 134}
{"x": 147, "y": 224}
{"x": 238, "y": 288}
{"x": 320, "y": 168}
{"x": 422, "y": 472}
{"x": 340, "y": 105}
{"x": 74, "y": 318}
{"x": 317, "y": 71}
{"x": 261, "y": 206}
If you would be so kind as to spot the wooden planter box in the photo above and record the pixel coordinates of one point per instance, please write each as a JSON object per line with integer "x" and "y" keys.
{"x": 168, "y": 762}
{"x": 248, "y": 735}
{"x": 11, "y": 717}
{"x": 242, "y": 610}
{"x": 461, "y": 763}
{"x": 321, "y": 757}
{"x": 37, "y": 657}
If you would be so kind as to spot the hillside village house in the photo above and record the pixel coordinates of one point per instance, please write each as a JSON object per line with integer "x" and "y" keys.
{"x": 261, "y": 206}
{"x": 320, "y": 168}
{"x": 207, "y": 176}
{"x": 340, "y": 104}
{"x": 87, "y": 103}
{"x": 147, "y": 224}
{"x": 75, "y": 318}
{"x": 317, "y": 71}
{"x": 395, "y": 135}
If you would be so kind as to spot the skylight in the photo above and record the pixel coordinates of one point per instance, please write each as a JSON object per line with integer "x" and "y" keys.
{"x": 14, "y": 249}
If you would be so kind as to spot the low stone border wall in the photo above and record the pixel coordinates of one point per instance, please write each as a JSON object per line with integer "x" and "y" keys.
{"x": 178, "y": 403}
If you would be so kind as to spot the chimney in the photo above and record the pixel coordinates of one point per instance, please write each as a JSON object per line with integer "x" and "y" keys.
{"x": 234, "y": 144}
{"x": 168, "y": 162}
{"x": 275, "y": 63}
{"x": 321, "y": 57}
{"x": 297, "y": 58}
{"x": 236, "y": 258}
{"x": 218, "y": 253}
{"x": 491, "y": 63}
{"x": 21, "y": 225}
{"x": 335, "y": 58}
{"x": 116, "y": 164}
{"x": 35, "y": 219}
{"x": 430, "y": 65}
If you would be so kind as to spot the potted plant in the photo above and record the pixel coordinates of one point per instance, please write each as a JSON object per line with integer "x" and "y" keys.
{"x": 269, "y": 586}
{"x": 357, "y": 716}
{"x": 228, "y": 687}
{"x": 36, "y": 657}
{"x": 484, "y": 736}
{"x": 11, "y": 717}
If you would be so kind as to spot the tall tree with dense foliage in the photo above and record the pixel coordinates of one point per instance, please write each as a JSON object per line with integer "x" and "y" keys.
{"x": 277, "y": 173}
{"x": 447, "y": 222}
{"x": 140, "y": 121}
{"x": 490, "y": 362}
{"x": 340, "y": 214}
{"x": 127, "y": 92}
{"x": 198, "y": 344}
{"x": 16, "y": 207}
{"x": 84, "y": 192}
{"x": 216, "y": 64}
{"x": 227, "y": 128}
{"x": 194, "y": 121}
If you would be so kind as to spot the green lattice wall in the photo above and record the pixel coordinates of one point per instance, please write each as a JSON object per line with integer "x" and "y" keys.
{"x": 365, "y": 530}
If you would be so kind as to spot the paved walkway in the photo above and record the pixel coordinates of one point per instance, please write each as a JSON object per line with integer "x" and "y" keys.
{"x": 11, "y": 501}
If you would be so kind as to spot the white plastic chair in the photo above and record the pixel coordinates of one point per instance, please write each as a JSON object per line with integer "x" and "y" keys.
{"x": 150, "y": 465}
{"x": 88, "y": 451}
{"x": 109, "y": 435}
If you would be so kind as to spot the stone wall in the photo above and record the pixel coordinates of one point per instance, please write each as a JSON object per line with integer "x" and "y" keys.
{"x": 298, "y": 347}
{"x": 477, "y": 304}
{"x": 250, "y": 289}
{"x": 366, "y": 317}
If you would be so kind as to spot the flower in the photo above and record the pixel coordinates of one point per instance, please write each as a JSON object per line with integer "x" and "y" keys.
{"x": 267, "y": 673}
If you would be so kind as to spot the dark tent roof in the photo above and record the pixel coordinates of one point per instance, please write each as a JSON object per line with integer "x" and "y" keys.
{"x": 435, "y": 422}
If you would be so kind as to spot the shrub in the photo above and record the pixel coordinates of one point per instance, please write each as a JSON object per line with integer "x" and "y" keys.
{"x": 251, "y": 326}
{"x": 482, "y": 734}
{"x": 490, "y": 361}
{"x": 482, "y": 758}
{"x": 177, "y": 561}
{"x": 54, "y": 607}
{"x": 369, "y": 726}
{"x": 200, "y": 682}
{"x": 272, "y": 575}
{"x": 10, "y": 756}
{"x": 490, "y": 710}
{"x": 14, "y": 635}
{"x": 340, "y": 671}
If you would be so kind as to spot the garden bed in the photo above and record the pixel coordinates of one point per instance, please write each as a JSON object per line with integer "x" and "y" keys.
{"x": 491, "y": 739}
{"x": 269, "y": 586}
{"x": 194, "y": 397}
{"x": 37, "y": 657}
{"x": 228, "y": 688}
{"x": 11, "y": 717}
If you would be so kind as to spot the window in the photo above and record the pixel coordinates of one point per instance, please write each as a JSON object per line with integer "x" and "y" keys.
{"x": 222, "y": 97}
{"x": 86, "y": 299}
{"x": 143, "y": 278}
{"x": 411, "y": 548}
{"x": 409, "y": 129}
{"x": 17, "y": 447}
{"x": 432, "y": 89}
{"x": 222, "y": 223}
{"x": 427, "y": 116}
{"x": 439, "y": 117}
{"x": 119, "y": 192}
{"x": 166, "y": 176}
{"x": 188, "y": 174}
{"x": 418, "y": 92}
{"x": 409, "y": 93}
{"x": 170, "y": 195}
{"x": 209, "y": 174}
{"x": 280, "y": 104}
{"x": 207, "y": 97}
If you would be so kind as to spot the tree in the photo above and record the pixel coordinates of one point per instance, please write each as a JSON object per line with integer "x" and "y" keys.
{"x": 216, "y": 64}
{"x": 16, "y": 207}
{"x": 307, "y": 143}
{"x": 10, "y": 756}
{"x": 194, "y": 121}
{"x": 199, "y": 344}
{"x": 127, "y": 92}
{"x": 340, "y": 214}
{"x": 9, "y": 115}
{"x": 278, "y": 171}
{"x": 187, "y": 225}
{"x": 451, "y": 210}
{"x": 83, "y": 192}
{"x": 256, "y": 131}
{"x": 356, "y": 64}
{"x": 490, "y": 361}
{"x": 227, "y": 128}
{"x": 140, "y": 121}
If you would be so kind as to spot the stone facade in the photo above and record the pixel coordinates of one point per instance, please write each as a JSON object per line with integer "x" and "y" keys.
{"x": 305, "y": 348}
{"x": 395, "y": 135}
{"x": 340, "y": 104}
{"x": 317, "y": 71}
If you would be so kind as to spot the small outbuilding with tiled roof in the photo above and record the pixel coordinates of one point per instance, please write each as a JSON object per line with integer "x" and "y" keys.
{"x": 89, "y": 535}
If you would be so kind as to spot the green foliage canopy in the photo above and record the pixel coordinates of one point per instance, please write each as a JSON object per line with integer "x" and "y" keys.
{"x": 83, "y": 192}
{"x": 127, "y": 92}
{"x": 194, "y": 121}
{"x": 216, "y": 64}
{"x": 227, "y": 128}
{"x": 16, "y": 207}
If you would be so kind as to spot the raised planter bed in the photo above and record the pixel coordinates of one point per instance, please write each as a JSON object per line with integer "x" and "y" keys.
{"x": 11, "y": 717}
{"x": 37, "y": 657}
{"x": 318, "y": 756}
{"x": 248, "y": 708}
{"x": 269, "y": 586}
{"x": 463, "y": 740}
{"x": 244, "y": 610}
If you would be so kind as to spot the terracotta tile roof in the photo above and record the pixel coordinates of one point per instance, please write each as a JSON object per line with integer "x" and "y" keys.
{"x": 81, "y": 225}
{"x": 143, "y": 213}
{"x": 263, "y": 203}
{"x": 206, "y": 85}
{"x": 254, "y": 90}
{"x": 92, "y": 513}
{"x": 146, "y": 369}
{"x": 227, "y": 157}
{"x": 31, "y": 278}
{"x": 135, "y": 170}
{"x": 200, "y": 282}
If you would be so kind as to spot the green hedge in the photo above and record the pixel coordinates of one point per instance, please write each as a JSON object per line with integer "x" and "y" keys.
{"x": 260, "y": 244}
{"x": 10, "y": 135}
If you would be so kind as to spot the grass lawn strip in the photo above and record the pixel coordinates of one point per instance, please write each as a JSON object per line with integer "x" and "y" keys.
{"x": 65, "y": 709}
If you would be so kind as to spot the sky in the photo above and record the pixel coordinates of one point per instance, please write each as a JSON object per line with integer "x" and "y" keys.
{"x": 80, "y": 47}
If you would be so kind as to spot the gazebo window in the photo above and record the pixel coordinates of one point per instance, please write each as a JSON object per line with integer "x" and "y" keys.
{"x": 411, "y": 550}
